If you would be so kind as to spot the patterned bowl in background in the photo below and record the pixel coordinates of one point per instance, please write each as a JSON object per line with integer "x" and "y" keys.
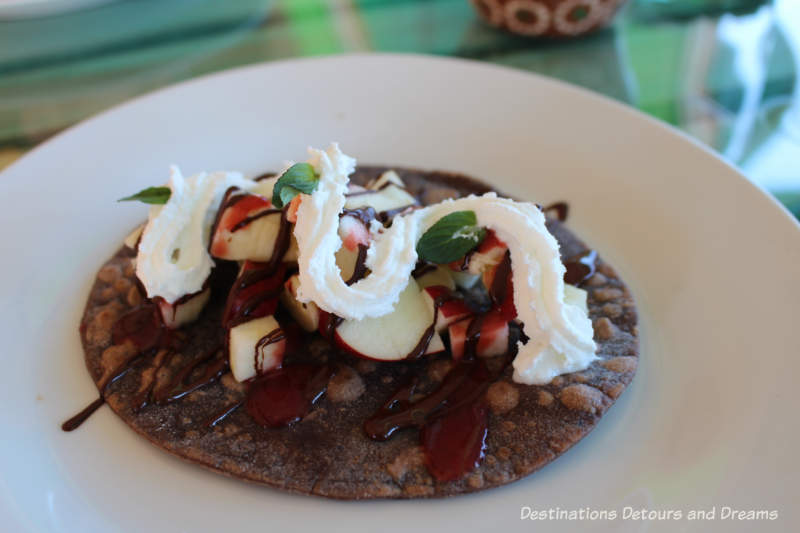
{"x": 548, "y": 18}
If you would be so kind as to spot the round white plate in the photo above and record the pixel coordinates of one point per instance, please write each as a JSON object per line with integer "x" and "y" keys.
{"x": 710, "y": 420}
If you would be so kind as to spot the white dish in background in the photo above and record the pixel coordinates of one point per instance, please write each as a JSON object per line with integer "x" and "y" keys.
{"x": 19, "y": 9}
{"x": 709, "y": 420}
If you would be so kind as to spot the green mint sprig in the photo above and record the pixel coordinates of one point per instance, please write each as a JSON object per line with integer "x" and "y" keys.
{"x": 150, "y": 195}
{"x": 450, "y": 238}
{"x": 299, "y": 178}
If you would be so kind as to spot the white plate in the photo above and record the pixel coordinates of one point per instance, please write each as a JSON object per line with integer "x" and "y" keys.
{"x": 16, "y": 9}
{"x": 710, "y": 419}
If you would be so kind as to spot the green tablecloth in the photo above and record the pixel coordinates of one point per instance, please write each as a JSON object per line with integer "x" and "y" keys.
{"x": 724, "y": 71}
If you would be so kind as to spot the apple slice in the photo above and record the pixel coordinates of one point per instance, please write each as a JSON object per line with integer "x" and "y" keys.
{"x": 132, "y": 240}
{"x": 247, "y": 229}
{"x": 184, "y": 310}
{"x": 389, "y": 337}
{"x": 436, "y": 346}
{"x": 440, "y": 275}
{"x": 354, "y": 233}
{"x": 306, "y": 314}
{"x": 493, "y": 336}
{"x": 346, "y": 260}
{"x": 575, "y": 296}
{"x": 264, "y": 186}
{"x": 293, "y": 252}
{"x": 487, "y": 257}
{"x": 390, "y": 176}
{"x": 254, "y": 294}
{"x": 449, "y": 310}
{"x": 255, "y": 347}
{"x": 464, "y": 280}
{"x": 386, "y": 193}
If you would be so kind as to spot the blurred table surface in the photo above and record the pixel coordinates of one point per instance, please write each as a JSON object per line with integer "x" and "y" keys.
{"x": 723, "y": 71}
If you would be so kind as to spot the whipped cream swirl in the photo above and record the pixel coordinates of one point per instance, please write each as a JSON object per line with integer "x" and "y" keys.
{"x": 173, "y": 258}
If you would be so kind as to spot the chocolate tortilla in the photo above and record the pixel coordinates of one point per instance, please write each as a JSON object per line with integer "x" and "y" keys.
{"x": 327, "y": 453}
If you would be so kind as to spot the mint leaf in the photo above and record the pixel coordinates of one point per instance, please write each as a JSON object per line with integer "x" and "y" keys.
{"x": 287, "y": 193}
{"x": 298, "y": 178}
{"x": 150, "y": 195}
{"x": 450, "y": 238}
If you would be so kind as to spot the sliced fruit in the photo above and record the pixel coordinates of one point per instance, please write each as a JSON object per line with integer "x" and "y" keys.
{"x": 390, "y": 337}
{"x": 487, "y": 257}
{"x": 255, "y": 347}
{"x": 390, "y": 176}
{"x": 436, "y": 345}
{"x": 387, "y": 193}
{"x": 291, "y": 211}
{"x": 346, "y": 261}
{"x": 353, "y": 232}
{"x": 493, "y": 338}
{"x": 441, "y": 275}
{"x": 306, "y": 314}
{"x": 184, "y": 310}
{"x": 464, "y": 280}
{"x": 247, "y": 229}
{"x": 264, "y": 186}
{"x": 450, "y": 310}
{"x": 254, "y": 294}
{"x": 575, "y": 296}
{"x": 132, "y": 240}
{"x": 325, "y": 319}
{"x": 292, "y": 252}
{"x": 352, "y": 188}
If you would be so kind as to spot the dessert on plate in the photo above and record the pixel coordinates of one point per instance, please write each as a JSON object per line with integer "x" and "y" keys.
{"x": 357, "y": 332}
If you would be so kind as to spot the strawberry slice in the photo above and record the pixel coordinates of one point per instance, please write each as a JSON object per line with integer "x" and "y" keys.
{"x": 451, "y": 309}
{"x": 353, "y": 232}
{"x": 492, "y": 337}
{"x": 291, "y": 212}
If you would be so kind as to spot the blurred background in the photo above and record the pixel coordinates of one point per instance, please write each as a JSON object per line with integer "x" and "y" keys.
{"x": 723, "y": 71}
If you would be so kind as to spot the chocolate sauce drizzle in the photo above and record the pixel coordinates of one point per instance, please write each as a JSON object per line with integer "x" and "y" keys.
{"x": 372, "y": 191}
{"x": 465, "y": 383}
{"x": 465, "y": 261}
{"x": 422, "y": 268}
{"x": 251, "y": 218}
{"x": 282, "y": 242}
{"x": 284, "y": 396}
{"x": 560, "y": 209}
{"x": 580, "y": 267}
{"x": 276, "y": 335}
{"x": 360, "y": 268}
{"x": 212, "y": 366}
{"x": 422, "y": 346}
{"x": 75, "y": 422}
{"x": 223, "y": 413}
{"x": 498, "y": 290}
{"x": 144, "y": 329}
{"x": 227, "y": 201}
{"x": 365, "y": 214}
{"x": 385, "y": 216}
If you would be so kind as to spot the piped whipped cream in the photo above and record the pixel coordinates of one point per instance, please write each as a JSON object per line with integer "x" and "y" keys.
{"x": 560, "y": 333}
{"x": 173, "y": 258}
